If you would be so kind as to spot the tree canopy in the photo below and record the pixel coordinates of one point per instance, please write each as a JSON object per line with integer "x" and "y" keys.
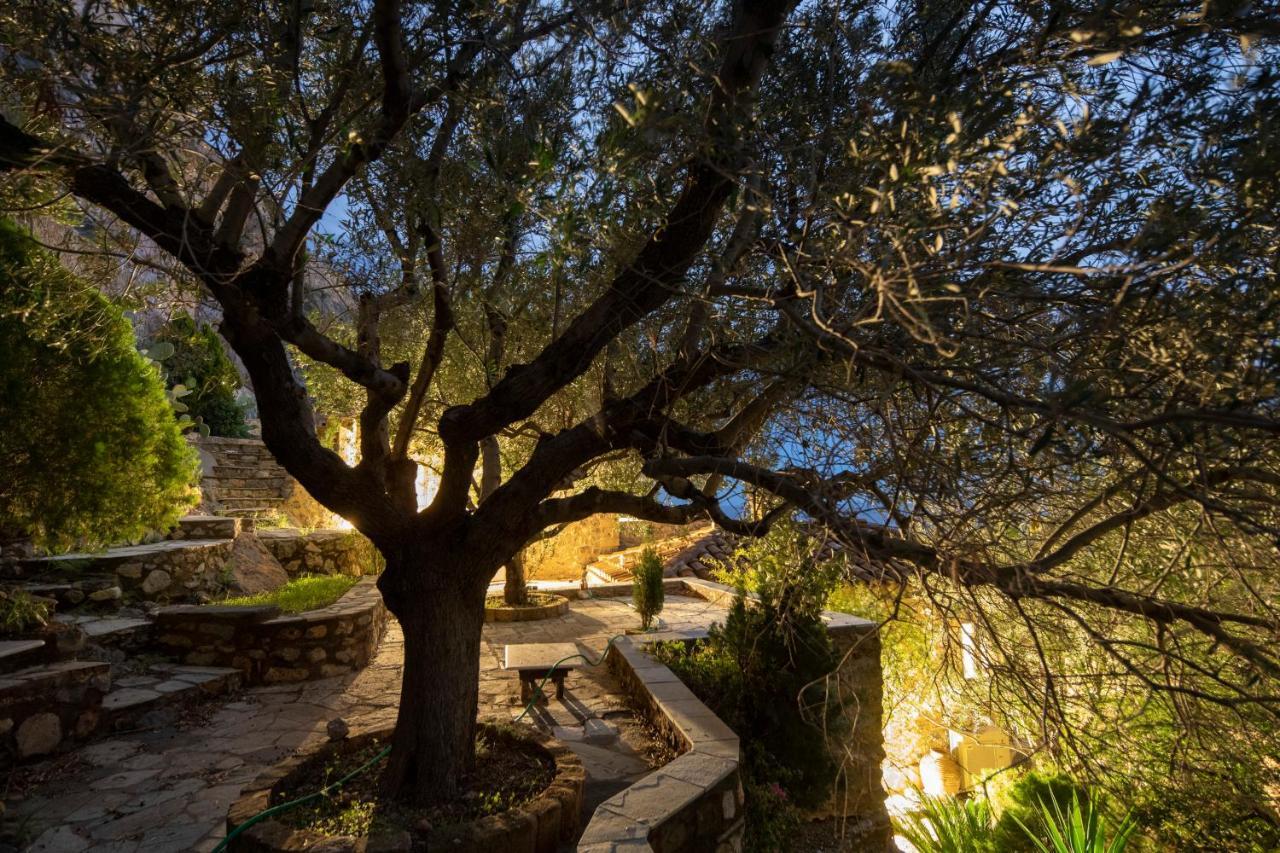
{"x": 986, "y": 288}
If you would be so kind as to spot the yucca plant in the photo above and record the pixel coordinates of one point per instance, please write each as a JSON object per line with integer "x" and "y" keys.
{"x": 947, "y": 825}
{"x": 1079, "y": 829}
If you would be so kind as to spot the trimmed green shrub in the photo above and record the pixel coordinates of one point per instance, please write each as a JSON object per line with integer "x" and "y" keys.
{"x": 762, "y": 672}
{"x": 90, "y": 452}
{"x": 646, "y": 587}
{"x": 201, "y": 365}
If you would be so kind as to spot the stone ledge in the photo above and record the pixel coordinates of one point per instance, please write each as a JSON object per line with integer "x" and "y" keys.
{"x": 559, "y": 607}
{"x": 693, "y": 803}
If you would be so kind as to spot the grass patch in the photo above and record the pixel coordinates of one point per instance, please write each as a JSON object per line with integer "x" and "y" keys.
{"x": 309, "y": 592}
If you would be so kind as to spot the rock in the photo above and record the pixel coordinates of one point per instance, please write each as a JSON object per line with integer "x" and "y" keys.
{"x": 253, "y": 568}
{"x": 157, "y": 581}
{"x": 110, "y": 593}
{"x": 39, "y": 734}
{"x": 342, "y": 844}
{"x": 74, "y": 596}
{"x": 338, "y": 729}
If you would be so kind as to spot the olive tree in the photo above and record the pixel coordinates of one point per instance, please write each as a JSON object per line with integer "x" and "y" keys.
{"x": 927, "y": 275}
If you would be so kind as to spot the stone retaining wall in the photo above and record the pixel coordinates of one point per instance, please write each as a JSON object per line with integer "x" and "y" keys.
{"x": 174, "y": 570}
{"x": 272, "y": 649}
{"x": 322, "y": 552}
{"x": 42, "y": 709}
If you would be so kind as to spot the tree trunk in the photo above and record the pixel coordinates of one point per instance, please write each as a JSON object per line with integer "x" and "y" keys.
{"x": 434, "y": 741}
{"x": 514, "y": 591}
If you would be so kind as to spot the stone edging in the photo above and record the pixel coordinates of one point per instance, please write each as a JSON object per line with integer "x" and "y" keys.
{"x": 695, "y": 802}
{"x": 692, "y": 803}
{"x": 559, "y": 607}
{"x": 536, "y": 827}
{"x": 271, "y": 649}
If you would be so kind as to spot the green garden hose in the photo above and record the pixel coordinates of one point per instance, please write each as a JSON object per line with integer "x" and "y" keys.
{"x": 284, "y": 807}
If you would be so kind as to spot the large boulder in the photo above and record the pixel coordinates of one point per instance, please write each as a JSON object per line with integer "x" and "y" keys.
{"x": 253, "y": 568}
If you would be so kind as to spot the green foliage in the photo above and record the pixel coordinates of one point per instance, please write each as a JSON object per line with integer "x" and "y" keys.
{"x": 308, "y": 592}
{"x": 1078, "y": 829}
{"x": 948, "y": 825}
{"x": 202, "y": 374}
{"x": 1023, "y": 815}
{"x": 89, "y": 450}
{"x": 20, "y": 611}
{"x": 646, "y": 589}
{"x": 763, "y": 672}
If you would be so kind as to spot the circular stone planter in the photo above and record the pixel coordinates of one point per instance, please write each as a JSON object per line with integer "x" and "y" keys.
{"x": 539, "y": 825}
{"x": 557, "y": 605}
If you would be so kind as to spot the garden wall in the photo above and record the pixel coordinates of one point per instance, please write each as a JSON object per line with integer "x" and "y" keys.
{"x": 562, "y": 556}
{"x": 269, "y": 648}
{"x": 694, "y": 803}
{"x": 44, "y": 707}
{"x": 322, "y": 552}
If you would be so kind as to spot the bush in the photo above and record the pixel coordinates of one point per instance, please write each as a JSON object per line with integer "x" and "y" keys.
{"x": 763, "y": 674}
{"x": 948, "y": 825}
{"x": 646, "y": 589}
{"x": 1022, "y": 815}
{"x": 89, "y": 450}
{"x": 1078, "y": 829}
{"x": 201, "y": 365}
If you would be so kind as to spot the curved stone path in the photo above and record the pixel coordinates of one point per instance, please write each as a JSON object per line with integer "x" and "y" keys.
{"x": 167, "y": 790}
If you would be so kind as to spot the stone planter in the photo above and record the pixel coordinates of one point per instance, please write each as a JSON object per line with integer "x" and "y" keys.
{"x": 539, "y": 826}
{"x": 558, "y": 606}
{"x": 269, "y": 648}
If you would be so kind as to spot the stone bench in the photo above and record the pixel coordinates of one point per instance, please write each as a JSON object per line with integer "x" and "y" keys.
{"x": 536, "y": 661}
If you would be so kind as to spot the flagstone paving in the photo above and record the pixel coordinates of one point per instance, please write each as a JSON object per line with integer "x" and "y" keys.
{"x": 168, "y": 789}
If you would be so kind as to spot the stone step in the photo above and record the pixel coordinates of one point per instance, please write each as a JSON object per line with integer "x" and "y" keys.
{"x": 238, "y": 507}
{"x": 205, "y": 527}
{"x": 246, "y": 472}
{"x": 604, "y": 573}
{"x": 20, "y": 654}
{"x": 155, "y": 698}
{"x": 264, "y": 492}
{"x": 266, "y": 498}
{"x": 56, "y": 675}
{"x": 122, "y": 632}
{"x": 249, "y": 512}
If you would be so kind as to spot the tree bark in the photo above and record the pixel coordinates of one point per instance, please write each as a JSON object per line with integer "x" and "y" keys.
{"x": 514, "y": 591}
{"x": 434, "y": 741}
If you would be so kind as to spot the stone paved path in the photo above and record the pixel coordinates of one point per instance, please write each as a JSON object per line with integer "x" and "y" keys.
{"x": 165, "y": 791}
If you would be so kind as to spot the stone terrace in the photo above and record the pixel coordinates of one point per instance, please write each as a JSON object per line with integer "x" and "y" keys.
{"x": 168, "y": 789}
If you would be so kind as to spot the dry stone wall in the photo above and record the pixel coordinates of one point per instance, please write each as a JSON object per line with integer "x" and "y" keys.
{"x": 322, "y": 552}
{"x": 41, "y": 709}
{"x": 269, "y": 648}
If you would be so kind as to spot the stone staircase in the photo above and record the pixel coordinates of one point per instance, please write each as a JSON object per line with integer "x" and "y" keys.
{"x": 677, "y": 554}
{"x": 242, "y": 479}
{"x": 51, "y": 698}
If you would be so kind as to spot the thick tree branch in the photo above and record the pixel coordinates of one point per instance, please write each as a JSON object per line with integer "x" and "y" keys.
{"x": 649, "y": 280}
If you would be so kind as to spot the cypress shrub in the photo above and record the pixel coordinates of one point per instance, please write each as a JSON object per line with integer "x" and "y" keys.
{"x": 90, "y": 452}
